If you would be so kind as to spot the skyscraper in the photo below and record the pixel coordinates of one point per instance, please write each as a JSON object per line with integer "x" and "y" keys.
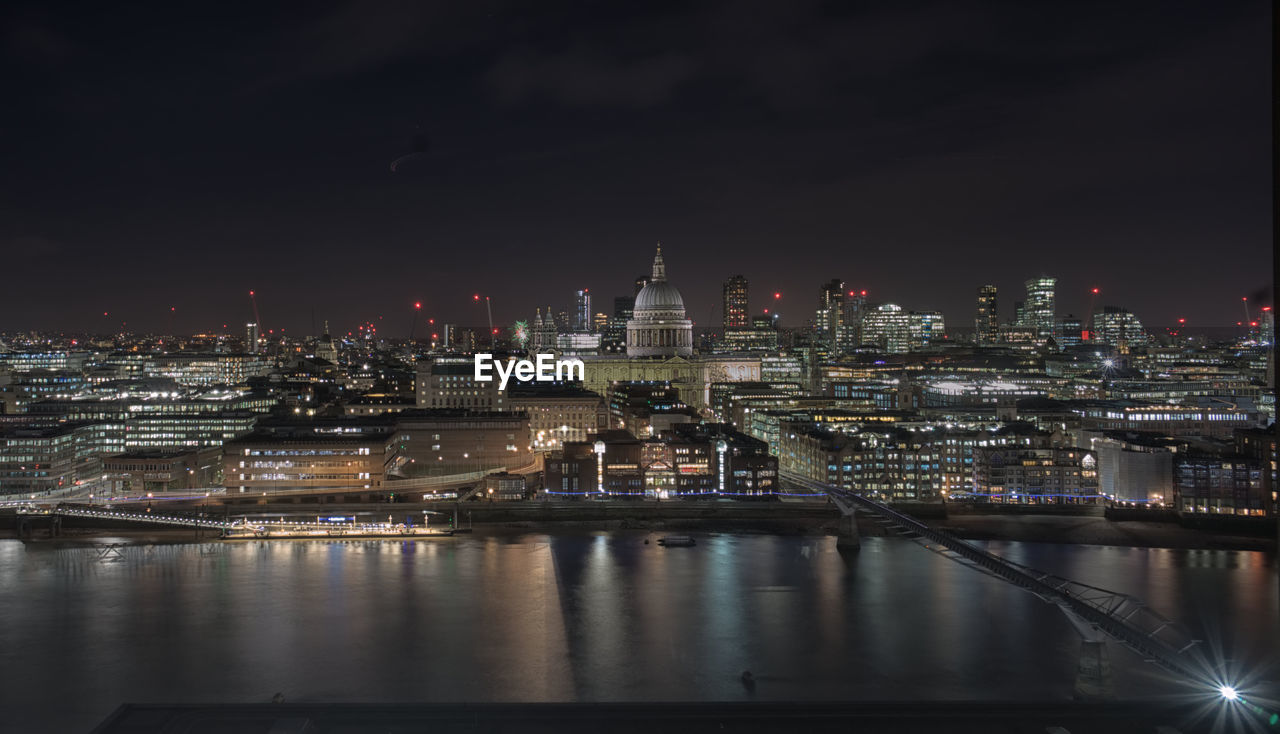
{"x": 735, "y": 303}
{"x": 582, "y": 312}
{"x": 986, "y": 324}
{"x": 1038, "y": 310}
{"x": 830, "y": 313}
{"x": 251, "y": 337}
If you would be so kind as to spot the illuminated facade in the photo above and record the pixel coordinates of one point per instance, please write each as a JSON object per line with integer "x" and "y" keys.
{"x": 735, "y": 303}
{"x": 1039, "y": 310}
{"x": 692, "y": 461}
{"x": 1118, "y": 327}
{"x": 895, "y": 331}
{"x": 986, "y": 322}
{"x": 658, "y": 327}
{"x": 435, "y": 442}
{"x": 324, "y": 455}
{"x": 1030, "y": 475}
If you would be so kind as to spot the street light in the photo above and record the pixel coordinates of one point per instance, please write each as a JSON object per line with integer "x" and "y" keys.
{"x": 599, "y": 449}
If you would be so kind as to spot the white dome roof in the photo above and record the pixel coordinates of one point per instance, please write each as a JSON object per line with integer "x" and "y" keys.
{"x": 659, "y": 296}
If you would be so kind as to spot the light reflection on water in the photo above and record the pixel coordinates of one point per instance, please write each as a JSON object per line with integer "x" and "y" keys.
{"x": 579, "y": 616}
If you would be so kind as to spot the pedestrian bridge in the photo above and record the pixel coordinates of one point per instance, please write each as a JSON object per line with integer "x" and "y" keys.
{"x": 169, "y": 519}
{"x": 1095, "y": 613}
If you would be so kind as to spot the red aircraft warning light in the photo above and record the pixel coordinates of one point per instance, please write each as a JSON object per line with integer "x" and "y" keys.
{"x": 776, "y": 296}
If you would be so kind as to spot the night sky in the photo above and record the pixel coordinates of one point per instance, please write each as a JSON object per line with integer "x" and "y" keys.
{"x": 181, "y": 154}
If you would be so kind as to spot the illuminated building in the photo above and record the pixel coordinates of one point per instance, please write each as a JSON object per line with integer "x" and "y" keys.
{"x": 1260, "y": 445}
{"x": 1118, "y": 327}
{"x": 986, "y": 323}
{"x": 749, "y": 340}
{"x": 163, "y": 471}
{"x": 27, "y": 361}
{"x": 1209, "y": 483}
{"x": 782, "y": 368}
{"x": 206, "y": 370}
{"x": 321, "y": 455}
{"x": 325, "y": 348}
{"x": 436, "y": 442}
{"x": 578, "y": 344}
{"x": 658, "y": 327}
{"x": 449, "y": 383}
{"x": 1199, "y": 416}
{"x": 558, "y": 413}
{"x": 690, "y": 460}
{"x": 1069, "y": 332}
{"x": 895, "y": 465}
{"x": 1035, "y": 475}
{"x": 735, "y": 303}
{"x": 251, "y": 338}
{"x": 953, "y": 392}
{"x": 1038, "y": 311}
{"x": 380, "y": 404}
{"x": 830, "y": 314}
{"x": 1135, "y": 468}
{"x": 895, "y": 330}
{"x": 582, "y": 312}
{"x": 40, "y": 458}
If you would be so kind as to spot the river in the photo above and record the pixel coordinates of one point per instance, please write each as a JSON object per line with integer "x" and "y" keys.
{"x": 581, "y": 616}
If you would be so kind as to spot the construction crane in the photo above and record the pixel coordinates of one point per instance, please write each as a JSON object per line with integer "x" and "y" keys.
{"x": 488, "y": 310}
{"x": 253, "y": 301}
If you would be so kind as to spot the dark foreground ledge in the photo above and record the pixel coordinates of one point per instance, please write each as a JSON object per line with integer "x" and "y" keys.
{"x": 662, "y": 718}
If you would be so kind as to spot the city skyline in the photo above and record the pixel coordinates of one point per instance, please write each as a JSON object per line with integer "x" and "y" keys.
{"x": 414, "y": 314}
{"x": 539, "y": 153}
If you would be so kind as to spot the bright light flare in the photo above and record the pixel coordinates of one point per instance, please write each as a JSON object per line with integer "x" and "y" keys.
{"x": 1228, "y": 693}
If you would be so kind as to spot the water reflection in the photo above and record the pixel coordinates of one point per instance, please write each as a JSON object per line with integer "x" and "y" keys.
{"x": 580, "y": 616}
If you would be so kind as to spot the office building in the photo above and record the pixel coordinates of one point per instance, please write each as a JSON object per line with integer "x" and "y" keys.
{"x": 986, "y": 322}
{"x": 735, "y": 303}
{"x": 315, "y": 455}
{"x": 252, "y": 338}
{"x": 163, "y": 471}
{"x": 582, "y": 312}
{"x": 830, "y": 314}
{"x": 894, "y": 330}
{"x": 435, "y": 442}
{"x": 448, "y": 382}
{"x": 1118, "y": 327}
{"x": 1038, "y": 311}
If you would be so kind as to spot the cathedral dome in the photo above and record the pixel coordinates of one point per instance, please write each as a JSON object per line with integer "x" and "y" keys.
{"x": 658, "y": 327}
{"x": 659, "y": 296}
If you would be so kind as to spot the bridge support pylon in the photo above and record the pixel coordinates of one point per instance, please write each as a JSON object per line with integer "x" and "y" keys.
{"x": 1093, "y": 667}
{"x": 847, "y": 537}
{"x": 1093, "y": 672}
